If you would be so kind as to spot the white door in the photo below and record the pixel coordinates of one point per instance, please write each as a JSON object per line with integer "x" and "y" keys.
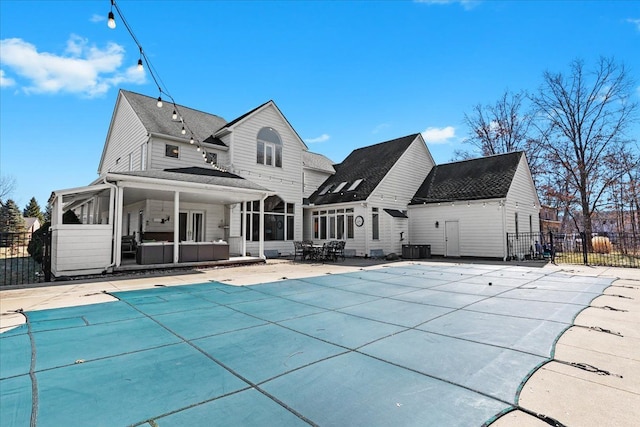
{"x": 452, "y": 238}
{"x": 191, "y": 226}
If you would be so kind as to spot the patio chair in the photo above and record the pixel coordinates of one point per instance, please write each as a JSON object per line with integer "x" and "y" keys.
{"x": 338, "y": 250}
{"x": 298, "y": 250}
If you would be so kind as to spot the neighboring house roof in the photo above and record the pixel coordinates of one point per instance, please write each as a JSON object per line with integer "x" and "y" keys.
{"x": 482, "y": 178}
{"x": 361, "y": 172}
{"x": 32, "y": 223}
{"x": 197, "y": 175}
{"x": 317, "y": 161}
{"x": 158, "y": 120}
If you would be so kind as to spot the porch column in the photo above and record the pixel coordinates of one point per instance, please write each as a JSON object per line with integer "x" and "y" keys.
{"x": 118, "y": 225}
{"x": 261, "y": 238}
{"x": 56, "y": 215}
{"x": 176, "y": 226}
{"x": 244, "y": 228}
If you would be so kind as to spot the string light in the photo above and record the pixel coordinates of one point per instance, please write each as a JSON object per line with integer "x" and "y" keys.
{"x": 111, "y": 22}
{"x": 140, "y": 67}
{"x": 144, "y": 60}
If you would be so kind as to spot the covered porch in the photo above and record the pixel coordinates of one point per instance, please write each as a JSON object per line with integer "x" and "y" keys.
{"x": 152, "y": 219}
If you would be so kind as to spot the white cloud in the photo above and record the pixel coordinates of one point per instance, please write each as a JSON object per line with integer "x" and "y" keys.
{"x": 381, "y": 127}
{"x": 466, "y": 4}
{"x": 97, "y": 18}
{"x": 6, "y": 81}
{"x": 322, "y": 138}
{"x": 635, "y": 22}
{"x": 82, "y": 69}
{"x": 439, "y": 135}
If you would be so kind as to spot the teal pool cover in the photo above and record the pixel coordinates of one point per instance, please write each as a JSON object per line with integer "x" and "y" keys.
{"x": 446, "y": 345}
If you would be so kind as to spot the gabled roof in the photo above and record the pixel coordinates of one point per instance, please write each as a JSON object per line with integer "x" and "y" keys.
{"x": 240, "y": 119}
{"x": 247, "y": 114}
{"x": 482, "y": 178}
{"x": 317, "y": 161}
{"x": 159, "y": 120}
{"x": 368, "y": 164}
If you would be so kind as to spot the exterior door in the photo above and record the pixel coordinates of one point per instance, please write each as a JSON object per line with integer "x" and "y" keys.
{"x": 191, "y": 226}
{"x": 452, "y": 239}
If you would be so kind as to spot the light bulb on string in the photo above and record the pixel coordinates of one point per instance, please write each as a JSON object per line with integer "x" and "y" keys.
{"x": 191, "y": 140}
{"x": 159, "y": 103}
{"x": 174, "y": 116}
{"x": 140, "y": 67}
{"x": 198, "y": 148}
{"x": 111, "y": 22}
{"x": 183, "y": 131}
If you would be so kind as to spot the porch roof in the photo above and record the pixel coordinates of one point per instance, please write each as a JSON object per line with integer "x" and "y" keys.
{"x": 196, "y": 175}
{"x": 197, "y": 184}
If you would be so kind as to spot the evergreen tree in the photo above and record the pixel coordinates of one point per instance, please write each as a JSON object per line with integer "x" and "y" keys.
{"x": 11, "y": 219}
{"x": 47, "y": 212}
{"x": 32, "y": 210}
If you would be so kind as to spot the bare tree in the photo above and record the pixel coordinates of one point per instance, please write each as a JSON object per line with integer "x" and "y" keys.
{"x": 7, "y": 186}
{"x": 501, "y": 128}
{"x": 582, "y": 119}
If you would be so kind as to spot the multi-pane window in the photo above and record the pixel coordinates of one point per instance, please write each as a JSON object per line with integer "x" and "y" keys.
{"x": 269, "y": 148}
{"x": 143, "y": 157}
{"x": 375, "y": 226}
{"x": 279, "y": 220}
{"x": 333, "y": 224}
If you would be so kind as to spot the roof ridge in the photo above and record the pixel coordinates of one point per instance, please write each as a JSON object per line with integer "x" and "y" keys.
{"x": 178, "y": 105}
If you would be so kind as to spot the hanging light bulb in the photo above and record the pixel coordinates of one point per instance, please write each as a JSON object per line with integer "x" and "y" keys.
{"x": 191, "y": 140}
{"x": 159, "y": 103}
{"x": 198, "y": 148}
{"x": 111, "y": 22}
{"x": 174, "y": 116}
{"x": 140, "y": 67}
{"x": 183, "y": 131}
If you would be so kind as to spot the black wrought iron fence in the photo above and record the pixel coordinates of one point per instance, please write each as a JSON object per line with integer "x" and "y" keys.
{"x": 24, "y": 258}
{"x": 608, "y": 249}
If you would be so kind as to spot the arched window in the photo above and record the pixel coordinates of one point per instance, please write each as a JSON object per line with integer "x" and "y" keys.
{"x": 269, "y": 148}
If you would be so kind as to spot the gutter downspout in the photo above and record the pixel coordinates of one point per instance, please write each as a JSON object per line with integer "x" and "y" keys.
{"x": 504, "y": 229}
{"x": 112, "y": 199}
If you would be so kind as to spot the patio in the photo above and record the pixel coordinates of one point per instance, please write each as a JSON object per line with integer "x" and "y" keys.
{"x": 369, "y": 347}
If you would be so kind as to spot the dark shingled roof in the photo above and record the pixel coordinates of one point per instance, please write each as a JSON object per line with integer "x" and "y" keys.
{"x": 248, "y": 113}
{"x": 370, "y": 164}
{"x": 197, "y": 175}
{"x": 483, "y": 178}
{"x": 158, "y": 120}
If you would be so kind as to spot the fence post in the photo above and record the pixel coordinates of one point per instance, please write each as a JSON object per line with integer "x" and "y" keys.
{"x": 551, "y": 248}
{"x": 46, "y": 256}
{"x": 583, "y": 237}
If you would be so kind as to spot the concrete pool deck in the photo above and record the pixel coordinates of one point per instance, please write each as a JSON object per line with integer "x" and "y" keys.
{"x": 604, "y": 341}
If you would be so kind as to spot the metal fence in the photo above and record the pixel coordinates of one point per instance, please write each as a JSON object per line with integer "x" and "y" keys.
{"x": 608, "y": 249}
{"x": 24, "y": 258}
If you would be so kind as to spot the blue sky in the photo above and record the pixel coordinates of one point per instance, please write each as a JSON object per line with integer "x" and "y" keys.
{"x": 345, "y": 74}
